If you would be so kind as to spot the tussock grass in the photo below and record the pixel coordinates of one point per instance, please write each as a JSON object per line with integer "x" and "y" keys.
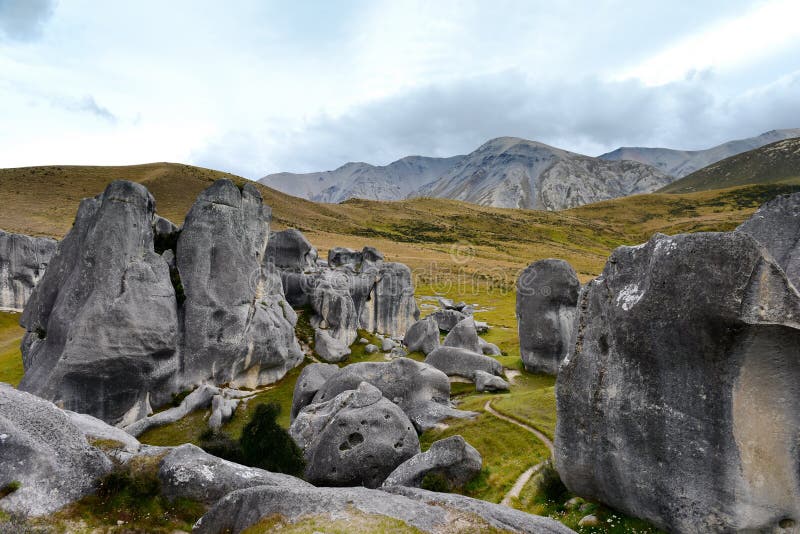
{"x": 11, "y": 332}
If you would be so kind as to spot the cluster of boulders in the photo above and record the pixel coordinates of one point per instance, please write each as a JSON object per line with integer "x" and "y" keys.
{"x": 351, "y": 291}
{"x": 51, "y": 457}
{"x": 357, "y": 424}
{"x": 679, "y": 400}
{"x": 23, "y": 260}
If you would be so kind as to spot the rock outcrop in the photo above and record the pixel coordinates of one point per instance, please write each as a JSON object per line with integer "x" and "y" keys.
{"x": 447, "y": 318}
{"x": 329, "y": 348}
{"x": 312, "y": 378}
{"x": 454, "y": 361}
{"x": 488, "y": 382}
{"x": 235, "y": 328}
{"x": 465, "y": 336}
{"x": 41, "y": 448}
{"x": 102, "y": 324}
{"x": 289, "y": 249}
{"x": 547, "y": 296}
{"x": 23, "y": 260}
{"x": 355, "y": 439}
{"x": 389, "y": 307}
{"x": 679, "y": 403}
{"x": 776, "y": 225}
{"x": 452, "y": 458}
{"x": 422, "y": 336}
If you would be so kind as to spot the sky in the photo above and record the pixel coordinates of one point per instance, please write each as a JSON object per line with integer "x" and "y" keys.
{"x": 256, "y": 87}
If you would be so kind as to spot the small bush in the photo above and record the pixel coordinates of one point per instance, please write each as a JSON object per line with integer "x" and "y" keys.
{"x": 435, "y": 482}
{"x": 10, "y": 488}
{"x": 268, "y": 446}
{"x": 222, "y": 445}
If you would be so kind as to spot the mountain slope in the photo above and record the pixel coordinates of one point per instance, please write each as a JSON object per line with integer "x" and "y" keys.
{"x": 776, "y": 162}
{"x": 516, "y": 173}
{"x": 362, "y": 180}
{"x": 681, "y": 163}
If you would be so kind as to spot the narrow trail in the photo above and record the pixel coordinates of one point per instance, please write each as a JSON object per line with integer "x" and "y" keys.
{"x": 523, "y": 479}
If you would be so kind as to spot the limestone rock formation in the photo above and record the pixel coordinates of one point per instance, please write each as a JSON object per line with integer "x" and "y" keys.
{"x": 547, "y": 296}
{"x": 454, "y": 361}
{"x": 102, "y": 324}
{"x": 312, "y": 378}
{"x": 23, "y": 260}
{"x": 446, "y": 318}
{"x": 489, "y": 349}
{"x": 776, "y": 225}
{"x": 422, "y": 336}
{"x": 355, "y": 439}
{"x": 389, "y": 308}
{"x": 420, "y": 390}
{"x": 289, "y": 249}
{"x": 235, "y": 328}
{"x": 329, "y": 348}
{"x": 488, "y": 382}
{"x": 42, "y": 449}
{"x": 465, "y": 336}
{"x": 680, "y": 402}
{"x": 452, "y": 458}
{"x": 335, "y": 311}
{"x": 188, "y": 472}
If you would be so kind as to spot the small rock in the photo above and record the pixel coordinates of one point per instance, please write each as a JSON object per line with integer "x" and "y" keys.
{"x": 423, "y": 336}
{"x": 371, "y": 349}
{"x": 589, "y": 521}
{"x": 488, "y": 382}
{"x": 387, "y": 345}
{"x": 573, "y": 502}
{"x": 363, "y": 341}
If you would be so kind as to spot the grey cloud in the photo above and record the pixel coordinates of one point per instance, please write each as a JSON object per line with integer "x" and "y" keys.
{"x": 23, "y": 20}
{"x": 583, "y": 114}
{"x": 87, "y": 104}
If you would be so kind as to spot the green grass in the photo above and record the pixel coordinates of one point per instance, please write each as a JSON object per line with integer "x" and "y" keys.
{"x": 532, "y": 401}
{"x": 11, "y": 370}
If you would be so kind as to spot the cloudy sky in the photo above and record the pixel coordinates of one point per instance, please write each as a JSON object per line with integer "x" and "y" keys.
{"x": 255, "y": 87}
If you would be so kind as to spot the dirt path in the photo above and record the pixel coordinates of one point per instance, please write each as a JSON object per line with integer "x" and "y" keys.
{"x": 523, "y": 479}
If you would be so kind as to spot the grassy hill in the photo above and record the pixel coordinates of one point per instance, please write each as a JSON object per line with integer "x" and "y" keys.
{"x": 771, "y": 164}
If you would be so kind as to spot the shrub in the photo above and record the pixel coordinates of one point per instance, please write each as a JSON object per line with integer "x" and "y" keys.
{"x": 268, "y": 446}
{"x": 10, "y": 488}
{"x": 222, "y": 445}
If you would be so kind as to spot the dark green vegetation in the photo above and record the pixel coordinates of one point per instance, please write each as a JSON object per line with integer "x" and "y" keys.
{"x": 771, "y": 164}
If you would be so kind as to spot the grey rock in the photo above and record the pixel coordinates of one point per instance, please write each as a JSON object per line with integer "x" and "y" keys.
{"x": 329, "y": 348}
{"x": 188, "y": 472}
{"x": 311, "y": 379}
{"x": 454, "y": 361}
{"x": 23, "y": 260}
{"x": 420, "y": 390}
{"x": 398, "y": 352}
{"x": 163, "y": 227}
{"x": 445, "y": 303}
{"x": 371, "y": 349}
{"x": 390, "y": 307}
{"x": 104, "y": 283}
{"x": 363, "y": 341}
{"x": 222, "y": 409}
{"x": 422, "y": 336}
{"x": 679, "y": 402}
{"x": 547, "y": 296}
{"x": 387, "y": 345}
{"x": 371, "y": 255}
{"x": 452, "y": 458}
{"x": 94, "y": 429}
{"x": 488, "y": 382}
{"x": 447, "y": 319}
{"x": 342, "y": 257}
{"x": 289, "y": 249}
{"x": 776, "y": 225}
{"x": 496, "y": 515}
{"x": 42, "y": 449}
{"x": 589, "y": 521}
{"x": 333, "y": 306}
{"x": 234, "y": 323}
{"x": 481, "y": 327}
{"x": 464, "y": 335}
{"x": 196, "y": 400}
{"x": 489, "y": 349}
{"x": 355, "y": 439}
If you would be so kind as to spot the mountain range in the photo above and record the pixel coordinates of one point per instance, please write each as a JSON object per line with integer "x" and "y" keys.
{"x": 515, "y": 173}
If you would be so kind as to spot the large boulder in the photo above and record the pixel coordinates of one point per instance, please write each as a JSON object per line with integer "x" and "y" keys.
{"x": 102, "y": 324}
{"x": 46, "y": 453}
{"x": 776, "y": 225}
{"x": 409, "y": 509}
{"x": 345, "y": 257}
{"x": 446, "y": 319}
{"x": 680, "y": 401}
{"x": 23, "y": 260}
{"x": 289, "y": 249}
{"x": 390, "y": 307}
{"x": 488, "y": 382}
{"x": 334, "y": 309}
{"x": 465, "y": 336}
{"x": 355, "y": 439}
{"x": 312, "y": 378}
{"x": 188, "y": 472}
{"x": 235, "y": 326}
{"x": 329, "y": 348}
{"x": 452, "y": 458}
{"x": 422, "y": 336}
{"x": 420, "y": 390}
{"x": 454, "y": 361}
{"x": 547, "y": 296}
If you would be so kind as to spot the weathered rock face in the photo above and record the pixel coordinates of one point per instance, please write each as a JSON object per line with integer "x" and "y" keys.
{"x": 446, "y": 319}
{"x": 189, "y": 472}
{"x": 289, "y": 249}
{"x": 488, "y": 382}
{"x": 547, "y": 296}
{"x": 776, "y": 225}
{"x": 452, "y": 458}
{"x": 102, "y": 325}
{"x": 420, "y": 390}
{"x": 329, "y": 348}
{"x": 335, "y": 311}
{"x": 454, "y": 361}
{"x": 41, "y": 448}
{"x": 312, "y": 378}
{"x": 390, "y": 307}
{"x": 235, "y": 326}
{"x": 355, "y": 439}
{"x": 464, "y": 335}
{"x": 680, "y": 403}
{"x": 422, "y": 336}
{"x": 23, "y": 260}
